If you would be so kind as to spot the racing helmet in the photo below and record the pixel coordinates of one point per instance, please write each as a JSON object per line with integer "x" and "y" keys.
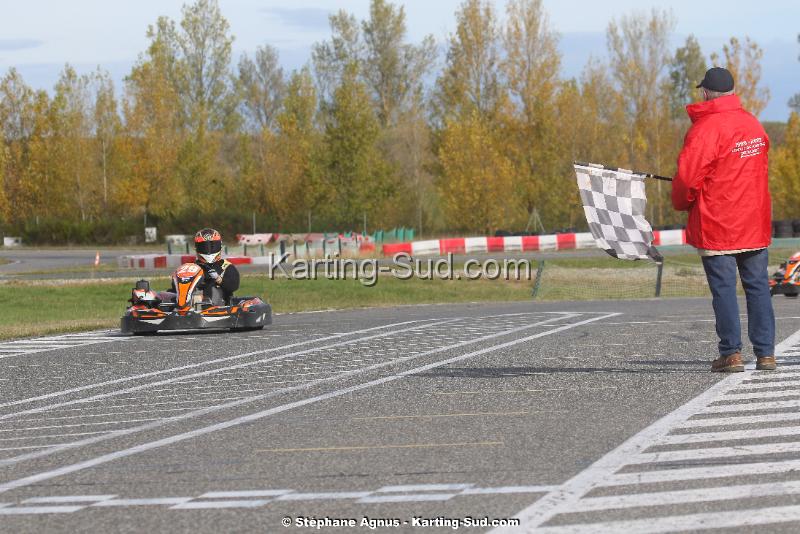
{"x": 208, "y": 245}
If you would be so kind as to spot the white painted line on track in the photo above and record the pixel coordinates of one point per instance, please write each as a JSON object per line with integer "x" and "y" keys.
{"x": 40, "y": 510}
{"x": 196, "y": 505}
{"x": 323, "y": 496}
{"x": 508, "y": 489}
{"x": 768, "y": 384}
{"x": 750, "y": 407}
{"x": 143, "y": 502}
{"x": 723, "y": 493}
{"x": 107, "y": 414}
{"x": 761, "y": 395}
{"x": 27, "y": 448}
{"x": 739, "y": 420}
{"x": 195, "y": 365}
{"x": 423, "y": 487}
{"x": 61, "y": 499}
{"x": 245, "y": 493}
{"x": 729, "y": 435}
{"x": 723, "y": 453}
{"x": 256, "y": 496}
{"x": 54, "y": 436}
{"x": 702, "y": 521}
{"x": 177, "y": 438}
{"x": 408, "y": 498}
{"x": 23, "y": 347}
{"x": 75, "y": 425}
{"x": 605, "y": 472}
{"x": 209, "y": 409}
{"x": 203, "y": 373}
{"x": 702, "y": 473}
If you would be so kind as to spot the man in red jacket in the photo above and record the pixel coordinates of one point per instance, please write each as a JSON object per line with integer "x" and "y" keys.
{"x": 722, "y": 183}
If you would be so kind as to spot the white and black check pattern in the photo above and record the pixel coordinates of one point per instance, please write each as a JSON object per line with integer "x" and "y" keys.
{"x": 614, "y": 202}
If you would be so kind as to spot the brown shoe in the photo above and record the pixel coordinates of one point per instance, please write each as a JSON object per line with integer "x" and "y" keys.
{"x": 766, "y": 363}
{"x": 728, "y": 364}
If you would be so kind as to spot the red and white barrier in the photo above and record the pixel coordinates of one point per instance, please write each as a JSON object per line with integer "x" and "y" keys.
{"x": 255, "y": 239}
{"x": 163, "y": 261}
{"x": 458, "y": 245}
{"x": 532, "y": 243}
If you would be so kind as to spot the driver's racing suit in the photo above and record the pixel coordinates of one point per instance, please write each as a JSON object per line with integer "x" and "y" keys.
{"x": 227, "y": 280}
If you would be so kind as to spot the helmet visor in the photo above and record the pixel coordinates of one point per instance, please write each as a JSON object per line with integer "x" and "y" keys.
{"x": 208, "y": 247}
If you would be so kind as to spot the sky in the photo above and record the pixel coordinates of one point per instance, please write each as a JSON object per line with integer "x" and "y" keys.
{"x": 39, "y": 36}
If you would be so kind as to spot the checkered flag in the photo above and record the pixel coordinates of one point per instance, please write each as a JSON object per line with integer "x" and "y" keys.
{"x": 614, "y": 202}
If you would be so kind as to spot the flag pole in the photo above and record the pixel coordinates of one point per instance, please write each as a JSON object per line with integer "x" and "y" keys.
{"x": 616, "y": 169}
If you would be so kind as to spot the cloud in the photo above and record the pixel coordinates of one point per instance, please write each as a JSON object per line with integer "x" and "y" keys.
{"x": 309, "y": 18}
{"x": 19, "y": 44}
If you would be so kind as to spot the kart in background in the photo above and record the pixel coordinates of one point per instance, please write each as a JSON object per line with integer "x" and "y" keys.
{"x": 191, "y": 307}
{"x": 786, "y": 280}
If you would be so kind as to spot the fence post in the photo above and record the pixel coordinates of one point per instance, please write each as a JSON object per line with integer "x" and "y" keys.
{"x": 538, "y": 282}
{"x": 339, "y": 242}
{"x": 169, "y": 247}
{"x": 283, "y": 248}
{"x": 659, "y": 272}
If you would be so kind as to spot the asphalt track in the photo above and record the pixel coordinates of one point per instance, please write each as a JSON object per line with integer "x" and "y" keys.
{"x": 571, "y": 417}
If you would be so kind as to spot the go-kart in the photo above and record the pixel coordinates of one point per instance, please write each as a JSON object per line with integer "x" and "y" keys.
{"x": 192, "y": 306}
{"x": 786, "y": 280}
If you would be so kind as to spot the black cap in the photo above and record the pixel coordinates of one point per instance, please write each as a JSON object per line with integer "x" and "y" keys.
{"x": 717, "y": 79}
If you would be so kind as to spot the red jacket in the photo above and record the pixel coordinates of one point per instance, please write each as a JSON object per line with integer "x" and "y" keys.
{"x": 722, "y": 178}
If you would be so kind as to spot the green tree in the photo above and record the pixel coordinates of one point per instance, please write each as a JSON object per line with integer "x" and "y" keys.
{"x": 23, "y": 114}
{"x": 594, "y": 132}
{"x": 794, "y": 101}
{"x": 476, "y": 184}
{"x": 331, "y": 59}
{"x": 262, "y": 85}
{"x": 355, "y": 173}
{"x": 291, "y": 184}
{"x": 205, "y": 81}
{"x": 393, "y": 69}
{"x": 471, "y": 77}
{"x": 152, "y": 137}
{"x": 639, "y": 61}
{"x": 107, "y": 127}
{"x": 4, "y": 211}
{"x": 531, "y": 70}
{"x": 785, "y": 171}
{"x": 687, "y": 68}
{"x": 70, "y": 145}
{"x": 744, "y": 62}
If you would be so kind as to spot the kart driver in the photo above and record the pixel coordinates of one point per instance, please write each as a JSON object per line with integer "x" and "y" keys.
{"x": 218, "y": 272}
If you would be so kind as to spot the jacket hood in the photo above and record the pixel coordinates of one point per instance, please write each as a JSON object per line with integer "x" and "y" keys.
{"x": 723, "y": 103}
